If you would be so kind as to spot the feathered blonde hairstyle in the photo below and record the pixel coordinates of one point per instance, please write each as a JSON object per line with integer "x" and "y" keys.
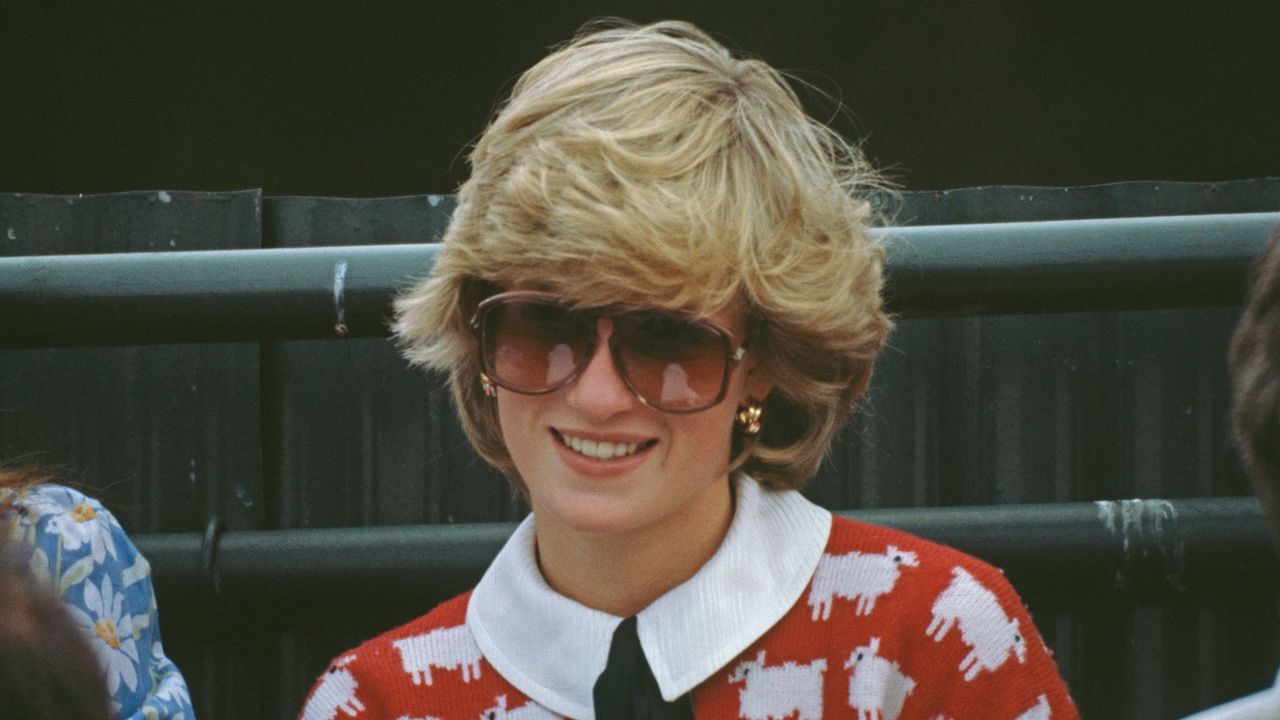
{"x": 649, "y": 167}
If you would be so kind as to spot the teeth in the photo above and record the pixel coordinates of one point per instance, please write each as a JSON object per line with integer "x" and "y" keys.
{"x": 599, "y": 450}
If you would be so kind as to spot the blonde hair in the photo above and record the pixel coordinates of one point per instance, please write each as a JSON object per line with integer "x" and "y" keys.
{"x": 649, "y": 167}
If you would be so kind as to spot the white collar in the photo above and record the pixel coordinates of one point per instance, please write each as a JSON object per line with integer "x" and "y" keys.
{"x": 552, "y": 648}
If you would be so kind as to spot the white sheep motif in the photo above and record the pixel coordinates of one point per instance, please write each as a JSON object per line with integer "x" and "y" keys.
{"x": 863, "y": 577}
{"x": 1039, "y": 711}
{"x": 445, "y": 648}
{"x": 773, "y": 693}
{"x": 990, "y": 634}
{"x": 529, "y": 711}
{"x": 336, "y": 692}
{"x": 877, "y": 687}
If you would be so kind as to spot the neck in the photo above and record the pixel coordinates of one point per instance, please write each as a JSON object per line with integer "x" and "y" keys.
{"x": 623, "y": 573}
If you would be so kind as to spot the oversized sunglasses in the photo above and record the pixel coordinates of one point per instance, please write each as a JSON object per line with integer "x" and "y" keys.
{"x": 534, "y": 343}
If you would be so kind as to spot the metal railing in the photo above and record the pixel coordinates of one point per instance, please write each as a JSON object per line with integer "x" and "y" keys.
{"x": 229, "y": 295}
{"x": 1142, "y": 547}
{"x": 1002, "y": 268}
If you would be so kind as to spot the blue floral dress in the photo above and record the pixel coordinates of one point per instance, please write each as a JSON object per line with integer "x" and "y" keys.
{"x": 79, "y": 550}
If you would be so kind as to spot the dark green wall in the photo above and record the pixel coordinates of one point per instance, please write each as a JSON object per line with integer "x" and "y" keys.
{"x": 380, "y": 98}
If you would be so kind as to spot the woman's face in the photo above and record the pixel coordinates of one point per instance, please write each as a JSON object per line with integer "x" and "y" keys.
{"x": 673, "y": 478}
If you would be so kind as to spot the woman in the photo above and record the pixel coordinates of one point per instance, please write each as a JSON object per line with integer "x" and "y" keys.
{"x": 657, "y": 302}
{"x": 74, "y": 546}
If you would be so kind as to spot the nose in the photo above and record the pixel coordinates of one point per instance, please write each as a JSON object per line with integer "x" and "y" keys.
{"x": 599, "y": 392}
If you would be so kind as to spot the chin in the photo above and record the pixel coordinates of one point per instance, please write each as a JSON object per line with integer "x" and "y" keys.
{"x": 592, "y": 515}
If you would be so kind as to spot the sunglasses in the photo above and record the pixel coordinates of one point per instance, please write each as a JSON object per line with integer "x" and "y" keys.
{"x": 534, "y": 343}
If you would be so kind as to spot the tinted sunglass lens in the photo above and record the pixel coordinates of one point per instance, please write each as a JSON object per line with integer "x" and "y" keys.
{"x": 533, "y": 347}
{"x": 673, "y": 363}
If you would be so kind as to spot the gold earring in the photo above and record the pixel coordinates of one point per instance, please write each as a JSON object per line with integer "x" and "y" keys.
{"x": 487, "y": 385}
{"x": 749, "y": 418}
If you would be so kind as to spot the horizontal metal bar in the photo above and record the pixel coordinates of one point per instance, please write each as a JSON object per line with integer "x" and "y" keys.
{"x": 1069, "y": 265}
{"x": 1134, "y": 546}
{"x": 213, "y": 295}
{"x": 229, "y": 295}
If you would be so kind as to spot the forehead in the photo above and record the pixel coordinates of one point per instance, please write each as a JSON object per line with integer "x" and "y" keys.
{"x": 731, "y": 317}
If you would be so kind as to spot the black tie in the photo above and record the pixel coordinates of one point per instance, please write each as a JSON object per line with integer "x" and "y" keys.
{"x": 627, "y": 690}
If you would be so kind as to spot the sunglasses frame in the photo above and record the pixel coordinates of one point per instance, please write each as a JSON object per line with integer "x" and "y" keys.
{"x": 732, "y": 357}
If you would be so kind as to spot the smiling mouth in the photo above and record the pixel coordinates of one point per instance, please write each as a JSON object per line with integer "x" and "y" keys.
{"x": 601, "y": 450}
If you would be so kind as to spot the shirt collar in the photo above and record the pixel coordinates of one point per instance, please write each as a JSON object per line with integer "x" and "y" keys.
{"x": 552, "y": 648}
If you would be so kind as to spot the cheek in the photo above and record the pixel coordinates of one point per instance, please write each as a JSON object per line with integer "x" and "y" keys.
{"x": 712, "y": 430}
{"x": 716, "y": 424}
{"x": 515, "y": 420}
{"x": 709, "y": 434}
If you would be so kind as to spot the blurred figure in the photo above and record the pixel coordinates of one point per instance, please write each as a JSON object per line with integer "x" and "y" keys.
{"x": 72, "y": 545}
{"x": 47, "y": 670}
{"x": 1254, "y": 363}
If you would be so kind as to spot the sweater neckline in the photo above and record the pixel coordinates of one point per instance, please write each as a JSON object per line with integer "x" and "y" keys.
{"x": 552, "y": 648}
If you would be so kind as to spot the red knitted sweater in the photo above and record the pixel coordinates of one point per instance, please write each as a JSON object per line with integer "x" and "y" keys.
{"x": 890, "y": 626}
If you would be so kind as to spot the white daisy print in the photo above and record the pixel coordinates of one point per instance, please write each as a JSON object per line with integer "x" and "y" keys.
{"x": 170, "y": 687}
{"x": 82, "y": 524}
{"x": 28, "y": 507}
{"x": 110, "y": 630}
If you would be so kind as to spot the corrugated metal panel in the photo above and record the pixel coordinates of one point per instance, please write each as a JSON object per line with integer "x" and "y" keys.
{"x": 167, "y": 435}
{"x": 963, "y": 411}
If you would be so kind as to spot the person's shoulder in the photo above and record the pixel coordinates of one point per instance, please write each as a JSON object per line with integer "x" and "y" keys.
{"x": 949, "y": 622}
{"x": 848, "y": 535}
{"x": 64, "y": 512}
{"x": 71, "y": 536}
{"x": 921, "y": 557}
{"x": 382, "y": 654}
{"x": 77, "y": 548}
{"x": 916, "y": 570}
{"x": 428, "y": 665}
{"x": 51, "y": 500}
